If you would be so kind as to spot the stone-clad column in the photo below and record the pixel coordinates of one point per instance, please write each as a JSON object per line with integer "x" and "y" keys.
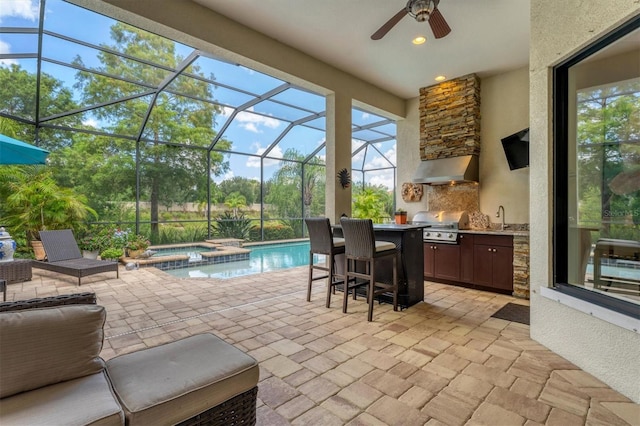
{"x": 338, "y": 199}
{"x": 521, "y": 266}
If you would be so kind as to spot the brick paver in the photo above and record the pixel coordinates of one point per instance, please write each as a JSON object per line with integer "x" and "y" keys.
{"x": 442, "y": 362}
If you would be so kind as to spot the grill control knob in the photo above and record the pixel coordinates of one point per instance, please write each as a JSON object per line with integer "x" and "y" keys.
{"x": 450, "y": 235}
{"x": 438, "y": 235}
{"x": 428, "y": 234}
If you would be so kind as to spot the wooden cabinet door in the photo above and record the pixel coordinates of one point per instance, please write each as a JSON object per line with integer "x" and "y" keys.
{"x": 429, "y": 261}
{"x": 483, "y": 265}
{"x": 503, "y": 268}
{"x": 466, "y": 258}
{"x": 447, "y": 262}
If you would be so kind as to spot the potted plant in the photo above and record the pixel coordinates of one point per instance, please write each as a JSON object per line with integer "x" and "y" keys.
{"x": 400, "y": 216}
{"x": 136, "y": 245}
{"x": 93, "y": 240}
{"x": 111, "y": 253}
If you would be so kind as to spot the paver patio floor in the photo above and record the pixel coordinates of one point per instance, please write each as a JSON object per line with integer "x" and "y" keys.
{"x": 445, "y": 361}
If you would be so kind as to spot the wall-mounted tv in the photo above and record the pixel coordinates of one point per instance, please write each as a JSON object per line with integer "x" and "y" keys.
{"x": 516, "y": 149}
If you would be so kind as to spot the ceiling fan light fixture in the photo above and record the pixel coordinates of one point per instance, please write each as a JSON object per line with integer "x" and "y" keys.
{"x": 420, "y": 10}
{"x": 441, "y": 78}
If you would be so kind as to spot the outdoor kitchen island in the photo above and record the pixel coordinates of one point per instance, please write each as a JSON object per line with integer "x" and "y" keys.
{"x": 409, "y": 244}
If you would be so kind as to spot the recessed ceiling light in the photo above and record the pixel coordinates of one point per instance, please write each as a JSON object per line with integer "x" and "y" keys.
{"x": 441, "y": 78}
{"x": 418, "y": 40}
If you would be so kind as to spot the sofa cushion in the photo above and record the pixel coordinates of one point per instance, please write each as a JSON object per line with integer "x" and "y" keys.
{"x": 40, "y": 347}
{"x": 88, "y": 400}
{"x": 173, "y": 382}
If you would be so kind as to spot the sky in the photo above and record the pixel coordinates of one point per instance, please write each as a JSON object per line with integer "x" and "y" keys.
{"x": 251, "y": 131}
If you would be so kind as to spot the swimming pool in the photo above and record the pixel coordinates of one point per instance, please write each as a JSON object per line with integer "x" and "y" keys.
{"x": 194, "y": 252}
{"x": 263, "y": 258}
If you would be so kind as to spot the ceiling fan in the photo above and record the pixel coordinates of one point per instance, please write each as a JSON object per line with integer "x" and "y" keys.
{"x": 421, "y": 10}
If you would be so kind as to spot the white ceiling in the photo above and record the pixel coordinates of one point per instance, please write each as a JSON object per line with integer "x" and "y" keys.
{"x": 487, "y": 37}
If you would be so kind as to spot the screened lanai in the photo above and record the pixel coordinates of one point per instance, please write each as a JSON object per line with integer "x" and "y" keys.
{"x": 170, "y": 140}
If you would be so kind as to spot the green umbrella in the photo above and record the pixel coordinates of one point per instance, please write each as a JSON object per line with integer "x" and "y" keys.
{"x": 13, "y": 151}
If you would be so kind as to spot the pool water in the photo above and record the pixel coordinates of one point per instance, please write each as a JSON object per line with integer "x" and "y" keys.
{"x": 263, "y": 258}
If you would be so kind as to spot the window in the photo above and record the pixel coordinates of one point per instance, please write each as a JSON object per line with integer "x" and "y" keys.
{"x": 597, "y": 172}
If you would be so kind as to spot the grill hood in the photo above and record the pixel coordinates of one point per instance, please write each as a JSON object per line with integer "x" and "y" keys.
{"x": 447, "y": 170}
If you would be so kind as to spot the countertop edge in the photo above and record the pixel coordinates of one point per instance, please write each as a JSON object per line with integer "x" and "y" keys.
{"x": 509, "y": 232}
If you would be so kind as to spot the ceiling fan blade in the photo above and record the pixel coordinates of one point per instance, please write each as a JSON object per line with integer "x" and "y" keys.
{"x": 389, "y": 24}
{"x": 438, "y": 25}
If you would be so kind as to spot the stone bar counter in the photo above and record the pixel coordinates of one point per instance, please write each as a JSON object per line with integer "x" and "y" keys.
{"x": 409, "y": 245}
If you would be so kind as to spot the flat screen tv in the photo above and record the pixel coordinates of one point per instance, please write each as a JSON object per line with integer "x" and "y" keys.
{"x": 516, "y": 149}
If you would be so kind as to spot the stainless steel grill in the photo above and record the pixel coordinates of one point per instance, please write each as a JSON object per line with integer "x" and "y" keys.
{"x": 441, "y": 226}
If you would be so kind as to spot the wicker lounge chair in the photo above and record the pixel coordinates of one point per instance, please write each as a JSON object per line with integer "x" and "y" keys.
{"x": 64, "y": 257}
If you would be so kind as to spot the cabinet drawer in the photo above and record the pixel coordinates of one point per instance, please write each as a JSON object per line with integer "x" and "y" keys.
{"x": 493, "y": 240}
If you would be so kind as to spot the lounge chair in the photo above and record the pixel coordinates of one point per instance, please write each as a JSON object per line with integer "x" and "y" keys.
{"x": 64, "y": 257}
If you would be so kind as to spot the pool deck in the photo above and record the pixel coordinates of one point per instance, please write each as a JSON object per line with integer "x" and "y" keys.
{"x": 221, "y": 252}
{"x": 444, "y": 361}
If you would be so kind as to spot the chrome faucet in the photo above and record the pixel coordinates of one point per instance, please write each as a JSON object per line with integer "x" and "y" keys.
{"x": 498, "y": 215}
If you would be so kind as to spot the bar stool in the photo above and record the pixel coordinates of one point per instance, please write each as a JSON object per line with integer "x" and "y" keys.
{"x": 323, "y": 242}
{"x": 361, "y": 245}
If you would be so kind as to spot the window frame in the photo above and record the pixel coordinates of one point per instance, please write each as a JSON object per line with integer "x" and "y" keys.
{"x": 561, "y": 179}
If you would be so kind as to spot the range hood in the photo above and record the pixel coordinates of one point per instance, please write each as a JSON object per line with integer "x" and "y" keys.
{"x": 444, "y": 171}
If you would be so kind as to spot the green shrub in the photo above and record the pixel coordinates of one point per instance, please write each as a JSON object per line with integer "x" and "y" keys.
{"x": 175, "y": 233}
{"x": 272, "y": 231}
{"x": 111, "y": 253}
{"x": 228, "y": 226}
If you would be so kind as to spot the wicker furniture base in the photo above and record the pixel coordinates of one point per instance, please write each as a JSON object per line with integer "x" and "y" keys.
{"x": 47, "y": 302}
{"x": 239, "y": 410}
{"x": 16, "y": 271}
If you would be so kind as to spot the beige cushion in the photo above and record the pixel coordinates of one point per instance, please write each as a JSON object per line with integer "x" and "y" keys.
{"x": 40, "y": 347}
{"x": 384, "y": 245}
{"x": 88, "y": 400}
{"x": 338, "y": 242}
{"x": 173, "y": 382}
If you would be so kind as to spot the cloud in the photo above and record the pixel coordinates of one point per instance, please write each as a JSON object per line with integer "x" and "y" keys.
{"x": 4, "y": 49}
{"x": 26, "y": 9}
{"x": 251, "y": 122}
{"x": 380, "y": 177}
{"x": 379, "y": 162}
{"x": 254, "y": 162}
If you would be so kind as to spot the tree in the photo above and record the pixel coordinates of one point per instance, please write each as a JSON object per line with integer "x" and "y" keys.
{"x": 295, "y": 185}
{"x": 18, "y": 99}
{"x": 608, "y": 138}
{"x": 369, "y": 204}
{"x": 235, "y": 201}
{"x": 169, "y": 173}
{"x": 36, "y": 202}
{"x": 249, "y": 188}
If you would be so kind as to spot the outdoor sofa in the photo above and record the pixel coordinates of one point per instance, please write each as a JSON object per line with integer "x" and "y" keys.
{"x": 51, "y": 372}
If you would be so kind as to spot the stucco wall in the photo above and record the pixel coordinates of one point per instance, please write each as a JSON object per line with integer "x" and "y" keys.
{"x": 609, "y": 352}
{"x": 407, "y": 154}
{"x": 504, "y": 109}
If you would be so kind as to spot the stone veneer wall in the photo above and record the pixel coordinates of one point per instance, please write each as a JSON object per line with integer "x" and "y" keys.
{"x": 521, "y": 266}
{"x": 463, "y": 196}
{"x": 450, "y": 118}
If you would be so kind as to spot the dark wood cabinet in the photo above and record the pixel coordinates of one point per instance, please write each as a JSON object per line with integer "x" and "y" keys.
{"x": 442, "y": 261}
{"x": 482, "y": 260}
{"x": 429, "y": 260}
{"x": 493, "y": 261}
{"x": 466, "y": 258}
